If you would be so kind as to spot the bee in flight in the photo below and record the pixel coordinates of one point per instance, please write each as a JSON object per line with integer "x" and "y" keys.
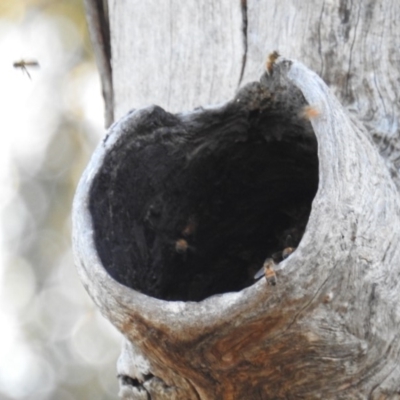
{"x": 23, "y": 65}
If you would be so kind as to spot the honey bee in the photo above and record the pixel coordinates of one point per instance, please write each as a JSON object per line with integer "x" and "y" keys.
{"x": 287, "y": 252}
{"x": 310, "y": 112}
{"x": 268, "y": 268}
{"x": 24, "y": 64}
{"x": 181, "y": 246}
{"x": 190, "y": 227}
{"x": 268, "y": 271}
{"x": 271, "y": 61}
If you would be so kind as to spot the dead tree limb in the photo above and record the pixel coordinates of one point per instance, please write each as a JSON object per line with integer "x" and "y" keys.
{"x": 328, "y": 329}
{"x": 339, "y": 289}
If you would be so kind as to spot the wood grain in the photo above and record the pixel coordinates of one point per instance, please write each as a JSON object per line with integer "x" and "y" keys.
{"x": 328, "y": 330}
{"x": 352, "y": 45}
{"x": 178, "y": 55}
{"x": 181, "y": 56}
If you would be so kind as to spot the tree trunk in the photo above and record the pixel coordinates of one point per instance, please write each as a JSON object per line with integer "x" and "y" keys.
{"x": 176, "y": 212}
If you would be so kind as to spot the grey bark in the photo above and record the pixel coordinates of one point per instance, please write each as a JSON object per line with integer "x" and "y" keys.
{"x": 192, "y": 54}
{"x": 329, "y": 329}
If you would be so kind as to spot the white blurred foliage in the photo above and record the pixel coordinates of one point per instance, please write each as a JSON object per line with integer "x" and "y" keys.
{"x": 53, "y": 316}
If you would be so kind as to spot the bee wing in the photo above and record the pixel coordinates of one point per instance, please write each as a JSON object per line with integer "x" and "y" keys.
{"x": 289, "y": 241}
{"x": 277, "y": 256}
{"x": 32, "y": 63}
{"x": 259, "y": 274}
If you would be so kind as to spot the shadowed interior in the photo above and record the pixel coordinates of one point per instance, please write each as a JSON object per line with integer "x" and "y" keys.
{"x": 190, "y": 205}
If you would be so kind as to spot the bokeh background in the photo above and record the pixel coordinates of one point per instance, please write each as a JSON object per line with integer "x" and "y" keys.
{"x": 53, "y": 342}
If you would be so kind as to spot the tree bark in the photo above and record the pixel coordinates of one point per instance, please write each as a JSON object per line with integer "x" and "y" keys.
{"x": 329, "y": 327}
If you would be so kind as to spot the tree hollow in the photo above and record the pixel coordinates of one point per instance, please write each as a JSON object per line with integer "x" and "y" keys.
{"x": 186, "y": 206}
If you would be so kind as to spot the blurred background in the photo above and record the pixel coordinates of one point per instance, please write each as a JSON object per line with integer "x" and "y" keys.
{"x": 53, "y": 343}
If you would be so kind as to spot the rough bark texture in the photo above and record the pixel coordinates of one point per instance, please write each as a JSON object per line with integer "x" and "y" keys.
{"x": 352, "y": 45}
{"x": 329, "y": 328}
{"x": 182, "y": 55}
{"x": 192, "y": 48}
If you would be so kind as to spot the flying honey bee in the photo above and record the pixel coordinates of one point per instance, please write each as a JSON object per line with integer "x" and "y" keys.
{"x": 23, "y": 65}
{"x": 268, "y": 271}
{"x": 271, "y": 61}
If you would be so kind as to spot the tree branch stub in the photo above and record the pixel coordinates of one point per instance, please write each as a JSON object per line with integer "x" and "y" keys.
{"x": 330, "y": 322}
